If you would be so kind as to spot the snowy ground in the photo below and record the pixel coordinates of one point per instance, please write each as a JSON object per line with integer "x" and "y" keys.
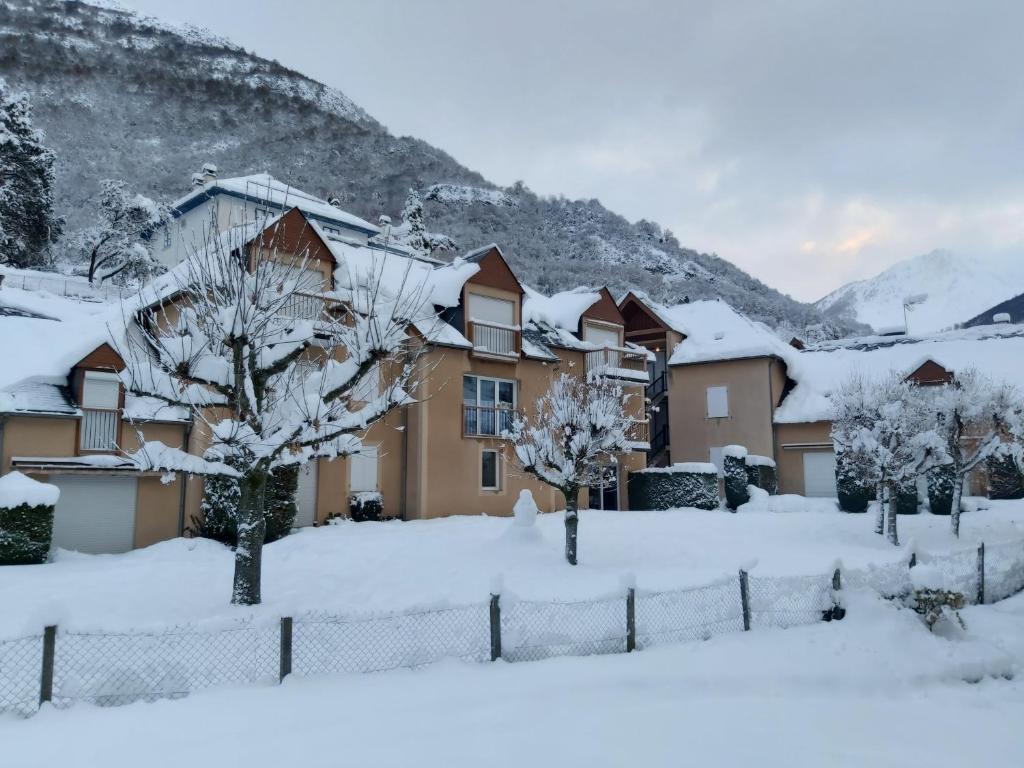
{"x": 356, "y": 567}
{"x": 875, "y": 689}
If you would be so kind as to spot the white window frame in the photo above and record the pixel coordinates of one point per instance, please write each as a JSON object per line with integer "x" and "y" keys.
{"x": 497, "y": 470}
{"x": 708, "y": 401}
{"x": 368, "y": 452}
{"x": 484, "y": 299}
{"x": 497, "y": 383}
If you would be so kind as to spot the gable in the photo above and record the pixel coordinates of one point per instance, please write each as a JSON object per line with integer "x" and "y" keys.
{"x": 103, "y": 358}
{"x": 636, "y": 316}
{"x": 496, "y": 273}
{"x": 930, "y": 374}
{"x": 605, "y": 309}
{"x": 294, "y": 234}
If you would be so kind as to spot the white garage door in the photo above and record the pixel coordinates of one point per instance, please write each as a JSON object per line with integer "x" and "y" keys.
{"x": 819, "y": 473}
{"x": 305, "y": 495}
{"x": 94, "y": 514}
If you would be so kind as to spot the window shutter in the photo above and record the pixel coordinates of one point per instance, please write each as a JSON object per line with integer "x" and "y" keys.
{"x": 718, "y": 402}
{"x": 101, "y": 390}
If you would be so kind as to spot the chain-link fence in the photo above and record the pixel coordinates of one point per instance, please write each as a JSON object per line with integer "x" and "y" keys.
{"x": 109, "y": 669}
{"x": 65, "y": 286}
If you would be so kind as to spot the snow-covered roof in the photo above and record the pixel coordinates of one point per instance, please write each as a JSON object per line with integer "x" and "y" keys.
{"x": 713, "y": 331}
{"x": 264, "y": 188}
{"x": 559, "y": 310}
{"x": 997, "y": 351}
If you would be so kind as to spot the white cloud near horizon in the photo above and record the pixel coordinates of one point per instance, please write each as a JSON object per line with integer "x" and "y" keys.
{"x": 809, "y": 143}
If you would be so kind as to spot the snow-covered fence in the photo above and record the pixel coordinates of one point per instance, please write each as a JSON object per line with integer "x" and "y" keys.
{"x": 112, "y": 668}
{"x": 65, "y": 286}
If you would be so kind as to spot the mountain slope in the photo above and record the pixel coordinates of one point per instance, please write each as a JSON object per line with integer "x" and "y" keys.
{"x": 955, "y": 287}
{"x": 123, "y": 97}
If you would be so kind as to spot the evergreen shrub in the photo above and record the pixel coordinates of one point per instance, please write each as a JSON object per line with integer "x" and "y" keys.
{"x": 25, "y": 534}
{"x": 854, "y": 495}
{"x": 1004, "y": 479}
{"x": 681, "y": 485}
{"x": 366, "y": 506}
{"x": 940, "y": 489}
{"x": 220, "y": 500}
{"x": 735, "y": 471}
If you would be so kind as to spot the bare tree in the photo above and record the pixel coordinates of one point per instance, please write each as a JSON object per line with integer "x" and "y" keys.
{"x": 241, "y": 335}
{"x": 575, "y": 426}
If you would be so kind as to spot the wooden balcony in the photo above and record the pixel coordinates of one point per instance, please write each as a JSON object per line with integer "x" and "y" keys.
{"x": 487, "y": 421}
{"x": 620, "y": 363}
{"x": 639, "y": 434}
{"x": 494, "y": 341}
{"x": 98, "y": 430}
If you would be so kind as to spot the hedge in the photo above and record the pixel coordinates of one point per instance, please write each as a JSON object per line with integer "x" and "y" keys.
{"x": 681, "y": 485}
{"x": 761, "y": 473}
{"x": 25, "y": 534}
{"x": 735, "y": 471}
{"x": 366, "y": 506}
{"x": 854, "y": 495}
{"x": 906, "y": 499}
{"x": 220, "y": 499}
{"x": 1004, "y": 479}
{"x": 940, "y": 489}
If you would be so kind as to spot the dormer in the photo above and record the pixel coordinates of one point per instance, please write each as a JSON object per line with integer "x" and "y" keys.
{"x": 492, "y": 307}
{"x": 930, "y": 374}
{"x": 601, "y": 323}
{"x": 99, "y": 393}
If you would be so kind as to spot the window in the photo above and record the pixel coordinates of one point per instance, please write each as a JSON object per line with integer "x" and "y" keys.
{"x": 101, "y": 397}
{"x": 487, "y": 405}
{"x": 718, "y": 402}
{"x": 167, "y": 235}
{"x": 488, "y": 309}
{"x": 489, "y": 479}
{"x": 601, "y": 335}
{"x": 362, "y": 473}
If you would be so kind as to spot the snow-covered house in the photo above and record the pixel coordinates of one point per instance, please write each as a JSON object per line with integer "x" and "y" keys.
{"x": 492, "y": 348}
{"x": 729, "y": 380}
{"x": 217, "y": 204}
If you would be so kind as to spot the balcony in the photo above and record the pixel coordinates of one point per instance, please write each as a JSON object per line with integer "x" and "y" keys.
{"x": 495, "y": 341}
{"x": 626, "y": 365}
{"x": 486, "y": 421}
{"x": 307, "y": 306}
{"x": 98, "y": 430}
{"x": 639, "y": 435}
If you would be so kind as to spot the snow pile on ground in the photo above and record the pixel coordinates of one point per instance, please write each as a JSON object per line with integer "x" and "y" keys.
{"x": 869, "y": 690}
{"x": 387, "y": 566}
{"x": 761, "y": 501}
{"x": 17, "y": 489}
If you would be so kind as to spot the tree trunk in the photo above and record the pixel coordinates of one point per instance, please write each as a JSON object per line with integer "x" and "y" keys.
{"x": 880, "y": 517}
{"x": 251, "y": 531}
{"x": 890, "y": 529}
{"x": 572, "y": 520}
{"x": 954, "y": 511}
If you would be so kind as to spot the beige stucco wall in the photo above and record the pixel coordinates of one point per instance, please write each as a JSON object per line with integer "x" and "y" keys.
{"x": 749, "y": 423}
{"x": 792, "y": 441}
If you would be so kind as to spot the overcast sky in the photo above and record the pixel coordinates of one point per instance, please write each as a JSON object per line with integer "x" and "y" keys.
{"x": 811, "y": 143}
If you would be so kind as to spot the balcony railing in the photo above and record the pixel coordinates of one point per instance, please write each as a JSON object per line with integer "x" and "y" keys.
{"x": 639, "y": 433}
{"x": 657, "y": 386}
{"x": 99, "y": 429}
{"x": 486, "y": 421}
{"x": 494, "y": 340}
{"x": 619, "y": 363}
{"x": 307, "y": 306}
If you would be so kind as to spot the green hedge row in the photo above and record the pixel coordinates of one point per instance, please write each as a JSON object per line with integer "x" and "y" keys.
{"x": 25, "y": 534}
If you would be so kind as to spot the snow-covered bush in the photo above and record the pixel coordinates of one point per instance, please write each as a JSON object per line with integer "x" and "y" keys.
{"x": 854, "y": 494}
{"x": 940, "y": 489}
{"x": 735, "y": 471}
{"x": 933, "y": 599}
{"x": 761, "y": 473}
{"x": 366, "y": 506}
{"x": 221, "y": 495}
{"x": 692, "y": 484}
{"x": 26, "y": 519}
{"x": 1004, "y": 478}
{"x": 906, "y": 498}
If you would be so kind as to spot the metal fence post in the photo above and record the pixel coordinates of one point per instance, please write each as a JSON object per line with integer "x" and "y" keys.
{"x": 495, "y": 627}
{"x": 981, "y": 573}
{"x": 913, "y": 560}
{"x": 49, "y": 652}
{"x": 745, "y": 600}
{"x": 838, "y": 611}
{"x": 286, "y": 648}
{"x": 631, "y": 620}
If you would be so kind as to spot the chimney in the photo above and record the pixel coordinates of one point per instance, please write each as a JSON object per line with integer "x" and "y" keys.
{"x": 1001, "y": 318}
{"x": 335, "y": 201}
{"x": 384, "y": 221}
{"x": 207, "y": 175}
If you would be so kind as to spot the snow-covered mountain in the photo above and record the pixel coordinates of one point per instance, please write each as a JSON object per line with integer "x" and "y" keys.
{"x": 124, "y": 97}
{"x": 949, "y": 288}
